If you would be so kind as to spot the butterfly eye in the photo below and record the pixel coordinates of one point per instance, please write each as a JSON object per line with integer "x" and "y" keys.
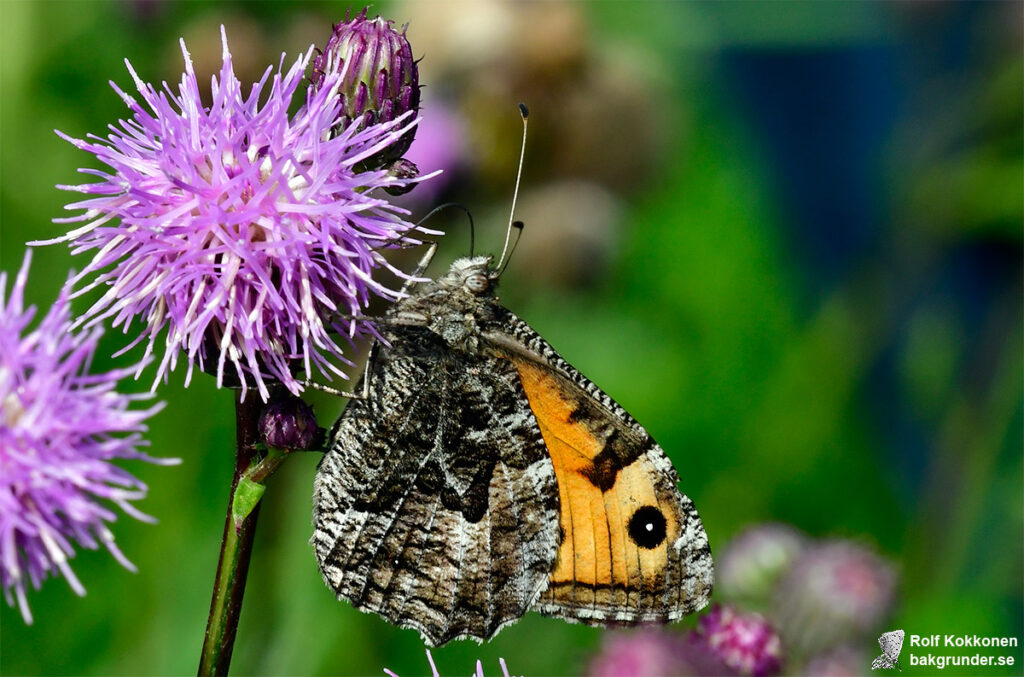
{"x": 477, "y": 283}
{"x": 647, "y": 527}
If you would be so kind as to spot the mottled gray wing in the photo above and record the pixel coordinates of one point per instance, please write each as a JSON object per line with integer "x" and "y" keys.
{"x": 436, "y": 505}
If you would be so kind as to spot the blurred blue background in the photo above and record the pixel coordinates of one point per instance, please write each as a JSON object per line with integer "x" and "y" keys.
{"x": 785, "y": 236}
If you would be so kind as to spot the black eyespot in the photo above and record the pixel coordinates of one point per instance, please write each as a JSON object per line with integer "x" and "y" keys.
{"x": 647, "y": 527}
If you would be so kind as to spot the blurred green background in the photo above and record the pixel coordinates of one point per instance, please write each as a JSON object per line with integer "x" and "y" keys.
{"x": 785, "y": 236}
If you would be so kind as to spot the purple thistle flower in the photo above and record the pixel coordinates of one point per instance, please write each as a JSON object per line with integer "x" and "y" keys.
{"x": 247, "y": 232}
{"x": 746, "y": 642}
{"x": 60, "y": 428}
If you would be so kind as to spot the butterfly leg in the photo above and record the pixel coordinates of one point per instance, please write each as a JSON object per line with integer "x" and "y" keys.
{"x": 333, "y": 391}
{"x": 363, "y": 393}
{"x": 421, "y": 268}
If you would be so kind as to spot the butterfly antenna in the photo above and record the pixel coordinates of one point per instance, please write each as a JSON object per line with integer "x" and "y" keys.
{"x": 518, "y": 225}
{"x": 525, "y": 112}
{"x": 472, "y": 229}
{"x": 469, "y": 215}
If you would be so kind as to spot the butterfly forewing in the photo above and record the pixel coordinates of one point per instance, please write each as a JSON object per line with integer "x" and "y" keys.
{"x": 436, "y": 506}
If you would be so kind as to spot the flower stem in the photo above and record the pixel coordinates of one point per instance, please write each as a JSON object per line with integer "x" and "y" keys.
{"x": 236, "y": 545}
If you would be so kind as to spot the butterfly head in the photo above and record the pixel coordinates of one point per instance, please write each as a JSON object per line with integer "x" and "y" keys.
{"x": 474, "y": 275}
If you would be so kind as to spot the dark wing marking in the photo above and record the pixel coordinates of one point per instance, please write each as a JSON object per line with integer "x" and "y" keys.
{"x": 628, "y": 471}
{"x": 436, "y": 505}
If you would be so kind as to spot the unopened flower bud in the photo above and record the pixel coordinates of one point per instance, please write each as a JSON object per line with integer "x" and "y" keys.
{"x": 379, "y": 80}
{"x": 288, "y": 423}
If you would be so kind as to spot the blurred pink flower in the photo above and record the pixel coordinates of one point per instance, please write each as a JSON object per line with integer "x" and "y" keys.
{"x": 654, "y": 652}
{"x": 746, "y": 642}
{"x": 752, "y": 562}
{"x": 836, "y": 592}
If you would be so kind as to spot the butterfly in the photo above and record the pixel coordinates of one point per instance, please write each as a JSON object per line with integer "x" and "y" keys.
{"x": 891, "y": 643}
{"x": 482, "y": 476}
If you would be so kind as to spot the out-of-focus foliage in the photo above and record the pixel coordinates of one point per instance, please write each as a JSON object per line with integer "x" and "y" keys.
{"x": 802, "y": 273}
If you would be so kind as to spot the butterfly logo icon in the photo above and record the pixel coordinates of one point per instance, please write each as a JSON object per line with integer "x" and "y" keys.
{"x": 891, "y": 643}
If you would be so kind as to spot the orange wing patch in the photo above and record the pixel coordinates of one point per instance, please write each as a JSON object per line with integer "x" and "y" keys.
{"x": 605, "y": 506}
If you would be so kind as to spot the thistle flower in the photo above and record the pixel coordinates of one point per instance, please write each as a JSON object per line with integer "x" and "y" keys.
{"x": 379, "y": 79}
{"x": 246, "y": 232}
{"x": 654, "y": 652}
{"x": 60, "y": 429}
{"x": 746, "y": 642}
{"x": 751, "y": 563}
{"x": 836, "y": 592}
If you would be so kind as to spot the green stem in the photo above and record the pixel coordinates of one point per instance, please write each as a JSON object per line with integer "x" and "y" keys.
{"x": 236, "y": 545}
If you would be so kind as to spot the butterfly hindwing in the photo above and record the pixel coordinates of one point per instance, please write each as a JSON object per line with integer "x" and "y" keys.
{"x": 436, "y": 506}
{"x": 634, "y": 548}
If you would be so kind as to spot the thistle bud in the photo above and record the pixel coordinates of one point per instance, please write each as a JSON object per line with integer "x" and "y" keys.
{"x": 379, "y": 80}
{"x": 289, "y": 423}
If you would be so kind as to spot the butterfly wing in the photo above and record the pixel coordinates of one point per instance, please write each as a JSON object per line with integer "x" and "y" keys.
{"x": 633, "y": 547}
{"x": 436, "y": 504}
